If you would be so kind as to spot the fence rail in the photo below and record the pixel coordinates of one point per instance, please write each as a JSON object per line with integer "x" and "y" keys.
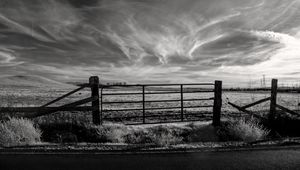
{"x": 159, "y": 101}
{"x": 98, "y": 104}
{"x": 45, "y": 109}
{"x": 143, "y": 93}
{"x": 97, "y": 100}
{"x": 273, "y": 105}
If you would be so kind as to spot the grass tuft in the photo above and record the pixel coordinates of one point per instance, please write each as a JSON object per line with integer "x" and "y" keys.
{"x": 15, "y": 132}
{"x": 246, "y": 130}
{"x": 165, "y": 135}
{"x": 114, "y": 133}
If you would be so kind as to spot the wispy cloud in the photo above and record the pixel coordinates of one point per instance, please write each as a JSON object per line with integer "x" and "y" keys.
{"x": 150, "y": 40}
{"x": 7, "y": 58}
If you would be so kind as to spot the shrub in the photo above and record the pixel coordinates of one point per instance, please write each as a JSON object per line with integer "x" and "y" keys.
{"x": 246, "y": 130}
{"x": 21, "y": 131}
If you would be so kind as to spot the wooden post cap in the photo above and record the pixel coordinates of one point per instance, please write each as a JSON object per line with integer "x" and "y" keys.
{"x": 94, "y": 80}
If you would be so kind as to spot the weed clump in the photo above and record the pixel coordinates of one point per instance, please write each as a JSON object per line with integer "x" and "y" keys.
{"x": 18, "y": 131}
{"x": 246, "y": 130}
{"x": 114, "y": 133}
{"x": 138, "y": 136}
{"x": 165, "y": 135}
{"x": 158, "y": 135}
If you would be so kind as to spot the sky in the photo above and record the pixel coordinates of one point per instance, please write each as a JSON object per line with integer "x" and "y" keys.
{"x": 150, "y": 41}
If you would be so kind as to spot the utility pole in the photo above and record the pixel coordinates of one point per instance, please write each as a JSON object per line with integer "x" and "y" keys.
{"x": 264, "y": 81}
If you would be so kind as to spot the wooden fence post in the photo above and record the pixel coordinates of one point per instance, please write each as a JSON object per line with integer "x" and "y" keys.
{"x": 273, "y": 103}
{"x": 94, "y": 84}
{"x": 144, "y": 118}
{"x": 181, "y": 102}
{"x": 217, "y": 103}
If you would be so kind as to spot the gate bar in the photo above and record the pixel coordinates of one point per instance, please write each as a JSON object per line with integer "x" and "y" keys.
{"x": 170, "y": 92}
{"x": 187, "y": 84}
{"x": 157, "y": 108}
{"x": 158, "y": 101}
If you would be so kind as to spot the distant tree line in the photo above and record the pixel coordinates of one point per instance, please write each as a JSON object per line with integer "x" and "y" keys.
{"x": 116, "y": 83}
{"x": 280, "y": 89}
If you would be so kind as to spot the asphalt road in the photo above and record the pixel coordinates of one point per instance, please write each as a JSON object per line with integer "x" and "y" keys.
{"x": 284, "y": 158}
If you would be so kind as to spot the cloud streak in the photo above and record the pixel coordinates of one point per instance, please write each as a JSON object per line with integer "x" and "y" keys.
{"x": 7, "y": 58}
{"x": 150, "y": 40}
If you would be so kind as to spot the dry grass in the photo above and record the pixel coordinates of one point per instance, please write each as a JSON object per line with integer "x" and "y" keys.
{"x": 15, "y": 132}
{"x": 114, "y": 133}
{"x": 22, "y": 132}
{"x": 165, "y": 136}
{"x": 246, "y": 130}
{"x": 160, "y": 135}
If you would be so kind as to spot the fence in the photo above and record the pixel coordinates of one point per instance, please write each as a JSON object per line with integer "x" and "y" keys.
{"x": 273, "y": 104}
{"x": 141, "y": 94}
{"x": 97, "y": 103}
{"x": 46, "y": 109}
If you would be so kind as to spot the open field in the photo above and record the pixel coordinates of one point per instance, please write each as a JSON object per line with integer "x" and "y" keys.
{"x": 23, "y": 97}
{"x": 68, "y": 124}
{"x": 38, "y": 96}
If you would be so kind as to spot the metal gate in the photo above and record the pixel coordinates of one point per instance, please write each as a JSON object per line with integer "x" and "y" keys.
{"x": 159, "y": 103}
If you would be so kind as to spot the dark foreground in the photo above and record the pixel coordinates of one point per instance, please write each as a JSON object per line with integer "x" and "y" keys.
{"x": 279, "y": 158}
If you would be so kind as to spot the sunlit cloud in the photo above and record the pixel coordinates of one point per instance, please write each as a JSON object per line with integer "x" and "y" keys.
{"x": 151, "y": 41}
{"x": 7, "y": 59}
